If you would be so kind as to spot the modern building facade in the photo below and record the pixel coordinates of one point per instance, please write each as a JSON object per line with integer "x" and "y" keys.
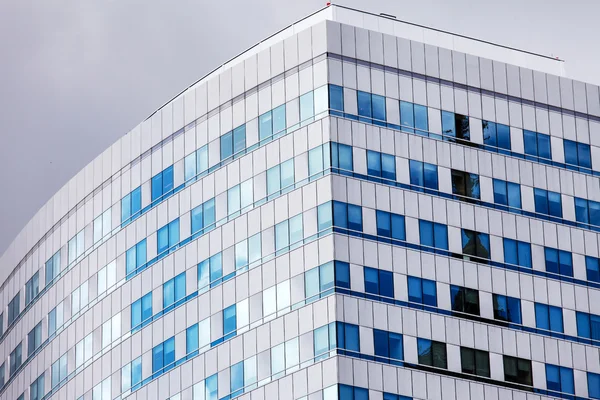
{"x": 355, "y": 208}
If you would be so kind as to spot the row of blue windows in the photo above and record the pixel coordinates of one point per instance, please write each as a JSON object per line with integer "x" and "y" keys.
{"x": 480, "y": 240}
{"x": 272, "y": 124}
{"x": 455, "y": 127}
{"x": 247, "y": 255}
{"x": 477, "y": 244}
{"x": 390, "y": 349}
{"x": 424, "y": 176}
{"x": 464, "y": 300}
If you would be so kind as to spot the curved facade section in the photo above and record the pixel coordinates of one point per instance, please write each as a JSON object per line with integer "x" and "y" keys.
{"x": 355, "y": 208}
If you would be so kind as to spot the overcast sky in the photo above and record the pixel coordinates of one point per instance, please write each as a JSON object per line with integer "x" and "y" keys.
{"x": 76, "y": 75}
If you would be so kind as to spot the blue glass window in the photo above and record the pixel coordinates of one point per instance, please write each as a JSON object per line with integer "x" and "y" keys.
{"x": 547, "y": 202}
{"x": 280, "y": 177}
{"x": 321, "y": 340}
{"x": 507, "y": 193}
{"x": 432, "y": 353}
{"x": 237, "y": 379}
{"x": 455, "y": 126}
{"x": 371, "y": 106}
{"x": 279, "y": 123}
{"x": 14, "y": 309}
{"x": 341, "y": 156}
{"x": 588, "y": 325}
{"x": 378, "y": 103}
{"x": 265, "y": 126}
{"x": 373, "y": 163}
{"x": 559, "y": 379}
{"x": 158, "y": 360}
{"x": 381, "y": 165}
{"x": 318, "y": 281}
{"x": 162, "y": 183}
{"x": 141, "y": 311}
{"x": 202, "y": 159}
{"x": 210, "y": 271}
{"x": 537, "y": 144}
{"x": 203, "y": 216}
{"x": 32, "y": 288}
{"x": 465, "y": 184}
{"x": 135, "y": 257}
{"x": 307, "y": 108}
{"x": 390, "y": 225}
{"x": 189, "y": 167}
{"x": 423, "y": 175}
{"x": 232, "y": 143}
{"x": 342, "y": 274}
{"x": 324, "y": 216}
{"x": 507, "y": 308}
{"x": 191, "y": 339}
{"x": 318, "y": 160}
{"x": 476, "y": 244}
{"x": 548, "y": 317}
{"x": 347, "y": 216}
{"x": 352, "y": 393}
{"x": 577, "y": 154}
{"x": 432, "y": 234}
{"x": 496, "y": 135}
{"x": 422, "y": 291}
{"x": 364, "y": 106}
{"x": 131, "y": 205}
{"x": 407, "y": 118}
{"x": 52, "y": 267}
{"x": 169, "y": 353}
{"x": 16, "y": 359}
{"x": 34, "y": 339}
{"x": 388, "y": 345}
{"x": 348, "y": 337}
{"x": 592, "y": 268}
{"x": 174, "y": 290}
{"x": 593, "y": 385}
{"x": 229, "y": 322}
{"x": 226, "y": 145}
{"x": 464, "y": 300}
{"x": 36, "y": 390}
{"x": 167, "y": 236}
{"x": 421, "y": 123}
{"x": 558, "y": 261}
{"x": 517, "y": 253}
{"x": 336, "y": 98}
{"x": 587, "y": 211}
{"x": 379, "y": 282}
